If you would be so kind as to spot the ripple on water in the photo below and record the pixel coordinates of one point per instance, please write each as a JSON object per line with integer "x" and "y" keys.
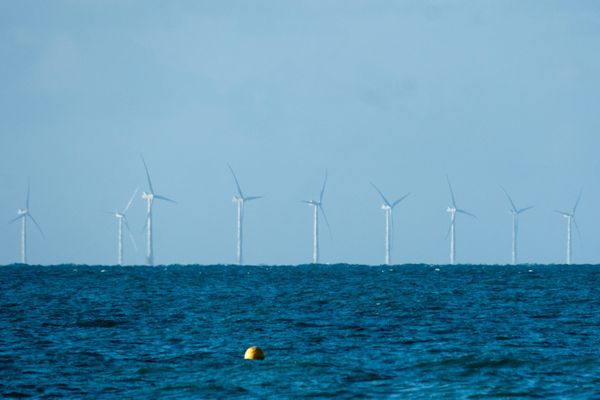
{"x": 327, "y": 331}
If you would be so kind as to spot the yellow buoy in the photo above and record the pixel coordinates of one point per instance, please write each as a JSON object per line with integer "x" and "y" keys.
{"x": 254, "y": 353}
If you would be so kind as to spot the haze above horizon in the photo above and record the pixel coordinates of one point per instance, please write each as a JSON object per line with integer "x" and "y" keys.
{"x": 395, "y": 93}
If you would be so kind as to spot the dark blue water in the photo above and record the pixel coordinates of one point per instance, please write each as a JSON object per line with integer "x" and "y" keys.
{"x": 327, "y": 331}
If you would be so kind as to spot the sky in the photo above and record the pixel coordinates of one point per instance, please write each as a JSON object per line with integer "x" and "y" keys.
{"x": 398, "y": 93}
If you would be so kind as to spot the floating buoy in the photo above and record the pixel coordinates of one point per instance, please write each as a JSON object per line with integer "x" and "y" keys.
{"x": 254, "y": 353}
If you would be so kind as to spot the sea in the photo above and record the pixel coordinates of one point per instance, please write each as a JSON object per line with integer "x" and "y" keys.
{"x": 327, "y": 331}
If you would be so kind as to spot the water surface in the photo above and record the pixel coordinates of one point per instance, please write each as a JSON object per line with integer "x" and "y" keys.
{"x": 341, "y": 331}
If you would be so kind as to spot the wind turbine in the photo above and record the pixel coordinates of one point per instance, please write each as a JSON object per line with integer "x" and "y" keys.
{"x": 318, "y": 205}
{"x": 570, "y": 220}
{"x": 387, "y": 208}
{"x": 150, "y": 196}
{"x": 22, "y": 214}
{"x": 453, "y": 210}
{"x": 515, "y": 226}
{"x": 122, "y": 220}
{"x": 240, "y": 199}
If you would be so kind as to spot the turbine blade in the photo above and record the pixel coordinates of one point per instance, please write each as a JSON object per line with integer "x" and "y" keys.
{"x": 449, "y": 229}
{"x": 323, "y": 188}
{"x": 394, "y": 204}
{"x": 130, "y": 234}
{"x": 466, "y": 213}
{"x": 159, "y": 197}
{"x": 381, "y": 194}
{"x": 451, "y": 192}
{"x": 326, "y": 220}
{"x": 564, "y": 214}
{"x": 577, "y": 229}
{"x": 126, "y": 224}
{"x": 307, "y": 202}
{"x": 135, "y": 248}
{"x": 522, "y": 210}
{"x": 28, "y": 191}
{"x": 391, "y": 230}
{"x": 577, "y": 202}
{"x": 37, "y": 225}
{"x": 15, "y": 218}
{"x": 252, "y": 198}
{"x": 147, "y": 174}
{"x": 237, "y": 184}
{"x": 512, "y": 203}
{"x": 130, "y": 201}
{"x": 145, "y": 222}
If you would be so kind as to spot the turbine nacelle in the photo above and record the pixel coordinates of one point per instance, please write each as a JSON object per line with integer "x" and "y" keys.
{"x": 147, "y": 196}
{"x": 22, "y": 212}
{"x": 451, "y": 210}
{"x": 565, "y": 214}
{"x": 237, "y": 199}
{"x": 519, "y": 212}
{"x": 386, "y": 207}
{"x": 514, "y": 211}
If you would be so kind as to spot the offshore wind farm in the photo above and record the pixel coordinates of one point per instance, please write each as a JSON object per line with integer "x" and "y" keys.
{"x": 239, "y": 199}
{"x": 265, "y": 199}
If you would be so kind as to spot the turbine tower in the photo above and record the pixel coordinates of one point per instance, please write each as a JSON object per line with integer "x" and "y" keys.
{"x": 388, "y": 208}
{"x": 22, "y": 214}
{"x": 453, "y": 210}
{"x": 239, "y": 200}
{"x": 318, "y": 205}
{"x": 515, "y": 226}
{"x": 150, "y": 196}
{"x": 570, "y": 221}
{"x": 122, "y": 220}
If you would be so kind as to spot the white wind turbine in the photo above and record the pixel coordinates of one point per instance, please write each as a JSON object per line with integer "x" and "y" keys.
{"x": 122, "y": 220}
{"x": 570, "y": 220}
{"x": 388, "y": 207}
{"x": 453, "y": 210}
{"x": 150, "y": 196}
{"x": 515, "y": 226}
{"x": 317, "y": 205}
{"x": 22, "y": 214}
{"x": 240, "y": 199}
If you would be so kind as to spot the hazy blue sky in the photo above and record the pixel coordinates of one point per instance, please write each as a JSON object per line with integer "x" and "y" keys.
{"x": 397, "y": 92}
